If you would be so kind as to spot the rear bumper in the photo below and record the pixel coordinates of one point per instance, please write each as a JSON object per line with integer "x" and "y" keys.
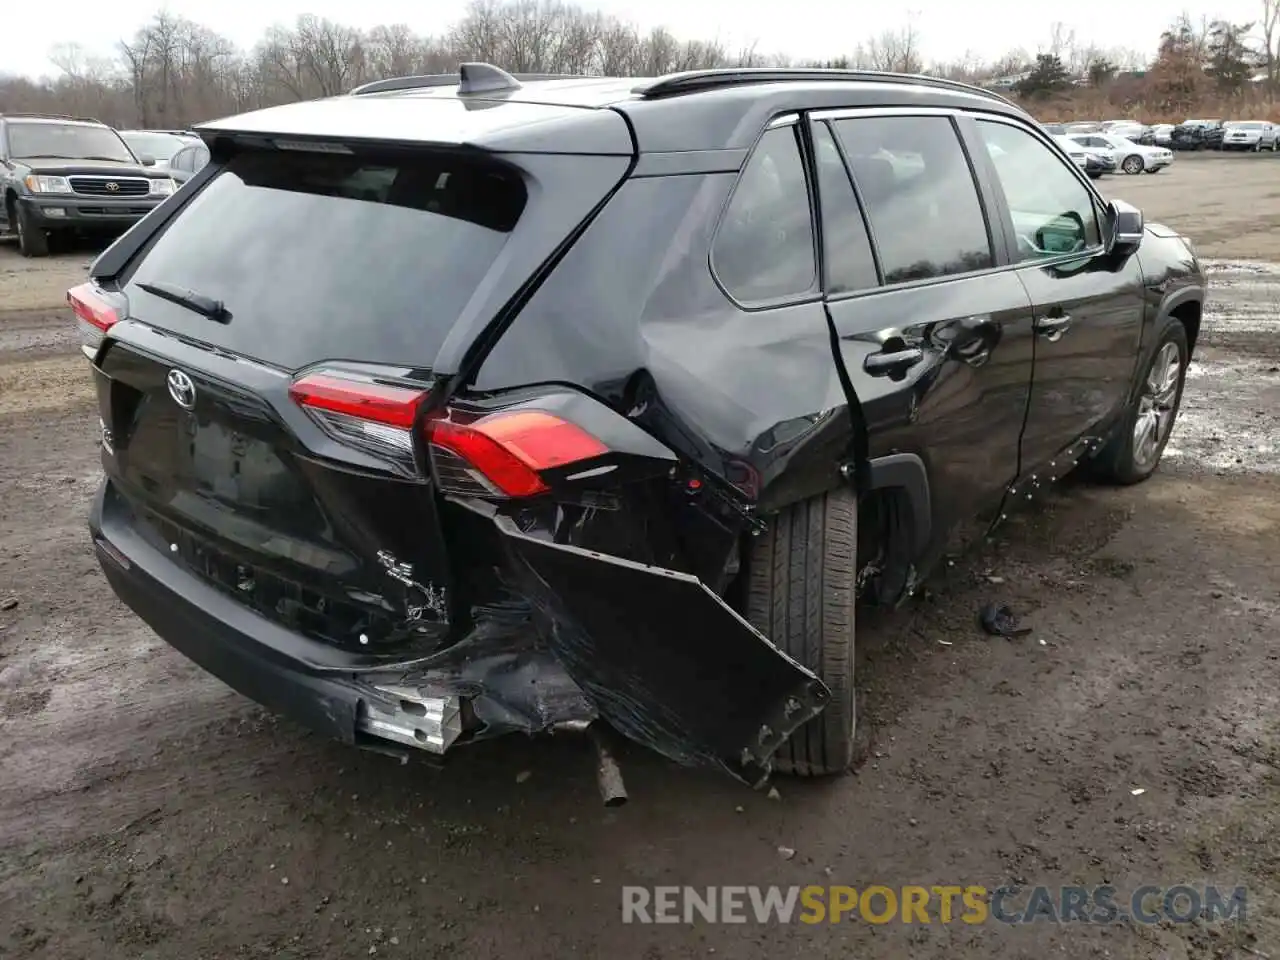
{"x": 88, "y": 213}
{"x": 653, "y": 651}
{"x": 268, "y": 665}
{"x": 353, "y": 698}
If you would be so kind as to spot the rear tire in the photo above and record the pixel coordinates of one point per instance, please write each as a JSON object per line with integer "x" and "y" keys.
{"x": 1158, "y": 397}
{"x": 801, "y": 595}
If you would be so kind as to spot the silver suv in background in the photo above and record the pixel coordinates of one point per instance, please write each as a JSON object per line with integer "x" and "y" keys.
{"x": 159, "y": 144}
{"x": 1249, "y": 135}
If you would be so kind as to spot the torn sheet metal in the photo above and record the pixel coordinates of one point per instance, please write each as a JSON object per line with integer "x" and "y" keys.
{"x": 509, "y": 679}
{"x": 666, "y": 661}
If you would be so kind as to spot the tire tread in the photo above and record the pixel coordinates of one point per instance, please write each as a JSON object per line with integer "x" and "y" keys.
{"x": 800, "y": 593}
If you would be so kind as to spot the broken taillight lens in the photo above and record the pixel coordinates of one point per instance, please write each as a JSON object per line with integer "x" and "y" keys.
{"x": 95, "y": 314}
{"x": 501, "y": 454}
{"x": 362, "y": 411}
{"x": 504, "y": 453}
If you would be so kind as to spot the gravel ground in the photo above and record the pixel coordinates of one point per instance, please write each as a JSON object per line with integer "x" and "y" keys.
{"x": 147, "y": 811}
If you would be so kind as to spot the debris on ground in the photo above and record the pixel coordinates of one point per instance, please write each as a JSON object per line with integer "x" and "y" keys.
{"x": 773, "y": 794}
{"x": 998, "y": 620}
{"x": 8, "y": 603}
{"x": 786, "y": 853}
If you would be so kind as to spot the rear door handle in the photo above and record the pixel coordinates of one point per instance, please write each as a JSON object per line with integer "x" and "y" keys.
{"x": 891, "y": 363}
{"x": 1052, "y": 328}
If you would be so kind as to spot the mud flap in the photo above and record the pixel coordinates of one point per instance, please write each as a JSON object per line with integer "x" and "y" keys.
{"x": 665, "y": 660}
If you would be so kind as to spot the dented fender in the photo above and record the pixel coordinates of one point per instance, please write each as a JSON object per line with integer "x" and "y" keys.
{"x": 666, "y": 661}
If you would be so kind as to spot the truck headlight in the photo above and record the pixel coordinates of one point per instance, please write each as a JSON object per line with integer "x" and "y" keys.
{"x": 37, "y": 183}
{"x": 163, "y": 187}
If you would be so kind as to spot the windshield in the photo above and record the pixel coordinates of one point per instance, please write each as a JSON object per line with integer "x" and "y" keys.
{"x": 70, "y": 141}
{"x": 162, "y": 146}
{"x": 1248, "y": 125}
{"x": 316, "y": 256}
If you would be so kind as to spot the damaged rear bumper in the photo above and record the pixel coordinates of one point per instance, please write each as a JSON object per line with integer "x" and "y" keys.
{"x": 653, "y": 651}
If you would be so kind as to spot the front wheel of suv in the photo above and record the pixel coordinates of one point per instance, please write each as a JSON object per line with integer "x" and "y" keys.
{"x": 801, "y": 594}
{"x": 1134, "y": 451}
{"x": 32, "y": 241}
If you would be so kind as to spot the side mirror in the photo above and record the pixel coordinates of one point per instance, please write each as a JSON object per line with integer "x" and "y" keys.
{"x": 1125, "y": 228}
{"x": 146, "y": 159}
{"x": 1063, "y": 234}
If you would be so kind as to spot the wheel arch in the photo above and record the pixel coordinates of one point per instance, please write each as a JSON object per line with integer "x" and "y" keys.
{"x": 1189, "y": 311}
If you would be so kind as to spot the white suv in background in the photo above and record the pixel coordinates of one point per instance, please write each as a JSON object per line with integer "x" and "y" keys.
{"x": 1249, "y": 135}
{"x": 1130, "y": 157}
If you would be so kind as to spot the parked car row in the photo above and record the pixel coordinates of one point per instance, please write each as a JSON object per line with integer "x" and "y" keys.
{"x": 1190, "y": 134}
{"x": 62, "y": 175}
{"x": 1103, "y": 152}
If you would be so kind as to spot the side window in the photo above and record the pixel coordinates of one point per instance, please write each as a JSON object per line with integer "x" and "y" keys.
{"x": 764, "y": 247}
{"x": 914, "y": 179}
{"x": 1053, "y": 212}
{"x": 850, "y": 264}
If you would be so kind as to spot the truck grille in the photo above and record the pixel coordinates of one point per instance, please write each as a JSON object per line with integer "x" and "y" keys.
{"x": 97, "y": 186}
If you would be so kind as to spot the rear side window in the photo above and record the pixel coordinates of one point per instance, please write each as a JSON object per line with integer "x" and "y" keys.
{"x": 764, "y": 248}
{"x": 324, "y": 256}
{"x": 849, "y": 263}
{"x": 914, "y": 178}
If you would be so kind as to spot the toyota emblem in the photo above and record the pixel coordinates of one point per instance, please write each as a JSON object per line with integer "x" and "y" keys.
{"x": 181, "y": 389}
{"x": 113, "y": 186}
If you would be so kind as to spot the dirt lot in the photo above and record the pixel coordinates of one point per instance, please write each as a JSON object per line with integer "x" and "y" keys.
{"x": 146, "y": 811}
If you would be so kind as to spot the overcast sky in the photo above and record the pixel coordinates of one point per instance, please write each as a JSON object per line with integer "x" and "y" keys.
{"x": 799, "y": 28}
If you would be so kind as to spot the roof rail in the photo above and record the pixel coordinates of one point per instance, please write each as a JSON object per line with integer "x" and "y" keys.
{"x": 470, "y": 78}
{"x": 692, "y": 81}
{"x": 50, "y": 116}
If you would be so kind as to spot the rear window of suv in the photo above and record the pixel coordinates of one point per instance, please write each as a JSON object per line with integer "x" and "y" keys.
{"x": 316, "y": 256}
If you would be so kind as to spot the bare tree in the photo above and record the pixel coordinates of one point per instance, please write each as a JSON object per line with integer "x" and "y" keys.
{"x": 1270, "y": 26}
{"x": 174, "y": 71}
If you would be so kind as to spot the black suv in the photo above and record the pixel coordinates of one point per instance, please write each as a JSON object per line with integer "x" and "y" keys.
{"x": 67, "y": 175}
{"x": 1198, "y": 135}
{"x": 466, "y": 405}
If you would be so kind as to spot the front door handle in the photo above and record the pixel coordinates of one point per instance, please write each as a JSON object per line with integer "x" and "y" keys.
{"x": 1052, "y": 328}
{"x": 892, "y": 363}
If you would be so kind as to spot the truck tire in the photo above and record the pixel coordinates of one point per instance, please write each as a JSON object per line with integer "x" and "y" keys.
{"x": 32, "y": 241}
{"x": 801, "y": 579}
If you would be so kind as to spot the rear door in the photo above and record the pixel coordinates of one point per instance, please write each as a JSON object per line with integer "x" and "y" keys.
{"x": 934, "y": 331}
{"x": 1088, "y": 305}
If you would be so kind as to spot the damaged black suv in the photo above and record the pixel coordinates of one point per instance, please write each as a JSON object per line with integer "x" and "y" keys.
{"x": 473, "y": 404}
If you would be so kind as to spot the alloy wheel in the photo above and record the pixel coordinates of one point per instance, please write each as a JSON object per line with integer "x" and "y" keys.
{"x": 1157, "y": 406}
{"x": 1132, "y": 164}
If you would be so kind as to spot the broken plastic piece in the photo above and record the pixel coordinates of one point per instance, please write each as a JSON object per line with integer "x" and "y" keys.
{"x": 999, "y": 621}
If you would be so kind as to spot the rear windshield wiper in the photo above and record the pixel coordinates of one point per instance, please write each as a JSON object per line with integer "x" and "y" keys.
{"x": 196, "y": 302}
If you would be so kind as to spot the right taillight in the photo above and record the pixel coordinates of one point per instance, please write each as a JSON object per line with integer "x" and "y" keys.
{"x": 504, "y": 453}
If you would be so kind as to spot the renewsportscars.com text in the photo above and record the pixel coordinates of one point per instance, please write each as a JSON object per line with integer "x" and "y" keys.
{"x": 971, "y": 904}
